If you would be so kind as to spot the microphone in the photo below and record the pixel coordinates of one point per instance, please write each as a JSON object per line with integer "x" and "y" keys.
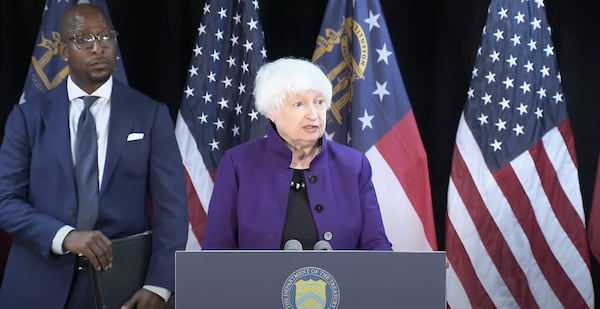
{"x": 292, "y": 245}
{"x": 322, "y": 245}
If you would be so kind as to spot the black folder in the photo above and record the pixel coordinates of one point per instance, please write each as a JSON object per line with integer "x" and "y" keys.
{"x": 115, "y": 286}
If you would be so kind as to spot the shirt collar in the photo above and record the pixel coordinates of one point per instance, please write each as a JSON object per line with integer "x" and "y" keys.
{"x": 74, "y": 92}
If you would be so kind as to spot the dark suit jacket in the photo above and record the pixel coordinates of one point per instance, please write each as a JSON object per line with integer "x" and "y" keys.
{"x": 249, "y": 200}
{"x": 38, "y": 193}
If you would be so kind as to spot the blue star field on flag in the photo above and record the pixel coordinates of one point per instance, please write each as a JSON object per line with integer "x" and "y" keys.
{"x": 369, "y": 95}
{"x": 217, "y": 106}
{"x": 515, "y": 94}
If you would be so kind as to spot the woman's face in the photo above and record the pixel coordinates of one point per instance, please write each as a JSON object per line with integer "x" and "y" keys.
{"x": 301, "y": 119}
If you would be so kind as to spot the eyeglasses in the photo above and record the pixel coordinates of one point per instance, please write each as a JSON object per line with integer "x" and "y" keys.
{"x": 86, "y": 40}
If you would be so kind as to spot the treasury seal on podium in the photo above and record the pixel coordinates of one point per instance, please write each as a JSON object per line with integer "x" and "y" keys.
{"x": 310, "y": 287}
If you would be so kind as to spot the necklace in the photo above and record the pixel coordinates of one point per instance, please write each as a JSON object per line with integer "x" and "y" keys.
{"x": 297, "y": 185}
{"x": 297, "y": 181}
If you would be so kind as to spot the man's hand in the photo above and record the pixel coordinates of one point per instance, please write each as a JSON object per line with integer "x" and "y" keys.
{"x": 91, "y": 244}
{"x": 144, "y": 299}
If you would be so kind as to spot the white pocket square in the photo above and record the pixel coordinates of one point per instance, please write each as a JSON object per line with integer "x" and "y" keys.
{"x": 134, "y": 136}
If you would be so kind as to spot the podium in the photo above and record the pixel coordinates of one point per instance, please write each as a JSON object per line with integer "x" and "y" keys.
{"x": 309, "y": 279}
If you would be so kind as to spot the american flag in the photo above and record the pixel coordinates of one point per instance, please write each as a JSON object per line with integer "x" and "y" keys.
{"x": 370, "y": 111}
{"x": 515, "y": 232}
{"x": 594, "y": 220}
{"x": 47, "y": 70}
{"x": 217, "y": 110}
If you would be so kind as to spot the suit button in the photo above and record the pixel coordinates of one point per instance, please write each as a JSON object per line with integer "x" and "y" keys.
{"x": 71, "y": 212}
{"x": 319, "y": 208}
{"x": 312, "y": 179}
{"x": 328, "y": 236}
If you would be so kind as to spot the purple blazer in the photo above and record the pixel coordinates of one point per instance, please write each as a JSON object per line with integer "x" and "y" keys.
{"x": 249, "y": 200}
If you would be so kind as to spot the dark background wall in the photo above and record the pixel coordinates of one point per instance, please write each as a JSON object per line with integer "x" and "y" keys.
{"x": 434, "y": 42}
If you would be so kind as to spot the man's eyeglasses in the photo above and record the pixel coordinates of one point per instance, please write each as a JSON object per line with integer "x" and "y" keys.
{"x": 86, "y": 40}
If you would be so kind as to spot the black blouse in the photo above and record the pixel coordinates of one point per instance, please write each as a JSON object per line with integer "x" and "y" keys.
{"x": 299, "y": 222}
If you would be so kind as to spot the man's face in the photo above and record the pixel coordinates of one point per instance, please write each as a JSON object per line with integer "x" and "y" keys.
{"x": 90, "y": 50}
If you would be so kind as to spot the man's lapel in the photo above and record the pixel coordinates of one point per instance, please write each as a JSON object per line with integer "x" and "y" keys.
{"x": 56, "y": 118}
{"x": 120, "y": 124}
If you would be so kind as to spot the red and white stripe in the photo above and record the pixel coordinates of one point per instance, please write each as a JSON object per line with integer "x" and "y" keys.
{"x": 199, "y": 183}
{"x": 401, "y": 181}
{"x": 516, "y": 237}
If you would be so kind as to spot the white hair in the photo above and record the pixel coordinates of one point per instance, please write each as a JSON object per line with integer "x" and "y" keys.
{"x": 277, "y": 79}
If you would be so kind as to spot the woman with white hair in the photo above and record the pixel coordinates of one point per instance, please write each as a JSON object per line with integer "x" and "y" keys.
{"x": 294, "y": 184}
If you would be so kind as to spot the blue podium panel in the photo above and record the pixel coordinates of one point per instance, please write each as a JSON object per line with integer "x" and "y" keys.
{"x": 309, "y": 279}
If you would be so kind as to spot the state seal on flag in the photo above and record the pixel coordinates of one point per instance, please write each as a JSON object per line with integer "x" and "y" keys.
{"x": 47, "y": 71}
{"x": 310, "y": 287}
{"x": 352, "y": 65}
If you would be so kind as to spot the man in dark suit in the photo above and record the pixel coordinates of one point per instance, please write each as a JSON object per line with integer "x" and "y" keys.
{"x": 43, "y": 202}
